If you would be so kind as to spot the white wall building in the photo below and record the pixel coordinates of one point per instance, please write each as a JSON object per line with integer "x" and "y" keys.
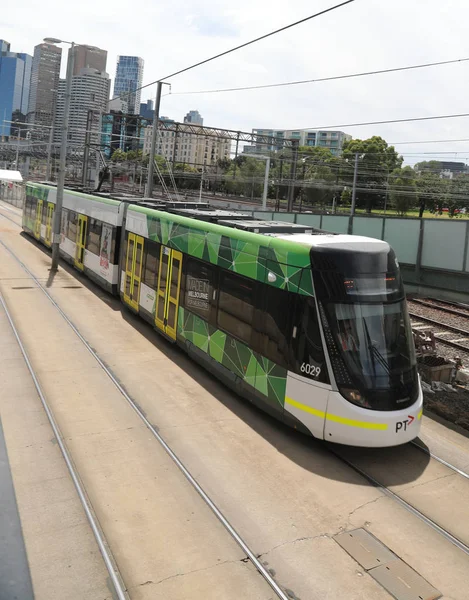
{"x": 188, "y": 147}
{"x": 90, "y": 91}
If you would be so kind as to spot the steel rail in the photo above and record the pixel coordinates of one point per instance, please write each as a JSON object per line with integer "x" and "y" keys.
{"x": 185, "y": 471}
{"x": 409, "y": 507}
{"x": 99, "y": 536}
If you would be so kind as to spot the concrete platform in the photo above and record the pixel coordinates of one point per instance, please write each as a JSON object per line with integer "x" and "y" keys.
{"x": 285, "y": 493}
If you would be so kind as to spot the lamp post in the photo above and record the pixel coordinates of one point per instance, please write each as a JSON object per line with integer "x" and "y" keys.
{"x": 266, "y": 178}
{"x": 63, "y": 153}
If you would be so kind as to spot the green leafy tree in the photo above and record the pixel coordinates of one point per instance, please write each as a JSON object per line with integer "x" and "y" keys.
{"x": 403, "y": 190}
{"x": 458, "y": 195}
{"x": 376, "y": 161}
{"x": 432, "y": 191}
{"x": 428, "y": 165}
{"x": 119, "y": 156}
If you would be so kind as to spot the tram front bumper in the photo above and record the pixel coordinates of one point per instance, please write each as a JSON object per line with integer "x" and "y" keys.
{"x": 346, "y": 423}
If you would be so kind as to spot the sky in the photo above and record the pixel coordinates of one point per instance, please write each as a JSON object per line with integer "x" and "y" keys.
{"x": 365, "y": 35}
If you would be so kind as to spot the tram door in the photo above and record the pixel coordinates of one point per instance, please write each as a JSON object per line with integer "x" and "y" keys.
{"x": 133, "y": 269}
{"x": 38, "y": 221}
{"x": 81, "y": 242}
{"x": 50, "y": 216}
{"x": 169, "y": 285}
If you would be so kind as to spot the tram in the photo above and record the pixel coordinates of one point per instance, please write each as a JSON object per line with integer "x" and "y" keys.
{"x": 310, "y": 326}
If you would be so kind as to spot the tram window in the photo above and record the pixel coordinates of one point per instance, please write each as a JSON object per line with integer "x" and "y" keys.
{"x": 72, "y": 226}
{"x": 236, "y": 306}
{"x": 307, "y": 351}
{"x": 115, "y": 246}
{"x": 198, "y": 290}
{"x": 276, "y": 329}
{"x": 95, "y": 228}
{"x": 44, "y": 214}
{"x": 152, "y": 259}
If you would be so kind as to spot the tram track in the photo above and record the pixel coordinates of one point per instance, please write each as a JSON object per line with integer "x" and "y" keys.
{"x": 460, "y": 544}
{"x": 250, "y": 554}
{"x": 4, "y": 208}
{"x": 236, "y": 536}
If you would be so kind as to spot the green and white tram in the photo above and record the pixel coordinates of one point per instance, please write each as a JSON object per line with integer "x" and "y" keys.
{"x": 313, "y": 328}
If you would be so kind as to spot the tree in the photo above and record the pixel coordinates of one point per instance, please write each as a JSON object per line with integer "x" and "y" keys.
{"x": 458, "y": 195}
{"x": 428, "y": 165}
{"x": 118, "y": 155}
{"x": 376, "y": 161}
{"x": 245, "y": 176}
{"x": 403, "y": 190}
{"x": 432, "y": 191}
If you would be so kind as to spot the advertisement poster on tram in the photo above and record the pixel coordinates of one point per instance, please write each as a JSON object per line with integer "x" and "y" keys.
{"x": 198, "y": 293}
{"x": 106, "y": 239}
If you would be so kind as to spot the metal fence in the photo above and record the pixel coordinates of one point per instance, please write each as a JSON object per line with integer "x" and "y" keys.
{"x": 13, "y": 193}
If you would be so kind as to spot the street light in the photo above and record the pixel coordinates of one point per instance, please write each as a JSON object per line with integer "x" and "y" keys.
{"x": 63, "y": 152}
{"x": 266, "y": 177}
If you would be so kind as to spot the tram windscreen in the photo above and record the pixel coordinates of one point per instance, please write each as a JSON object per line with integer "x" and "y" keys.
{"x": 375, "y": 342}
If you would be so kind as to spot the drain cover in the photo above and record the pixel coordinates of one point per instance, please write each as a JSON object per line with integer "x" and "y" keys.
{"x": 365, "y": 548}
{"x": 385, "y": 567}
{"x": 403, "y": 582}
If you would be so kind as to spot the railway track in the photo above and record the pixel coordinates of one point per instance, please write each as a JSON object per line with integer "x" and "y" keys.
{"x": 451, "y": 537}
{"x": 279, "y": 592}
{"x": 447, "y": 307}
{"x": 462, "y": 335}
{"x": 120, "y": 591}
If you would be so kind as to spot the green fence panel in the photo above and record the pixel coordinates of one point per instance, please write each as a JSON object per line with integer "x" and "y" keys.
{"x": 443, "y": 244}
{"x": 403, "y": 236}
{"x": 311, "y": 220}
{"x": 368, "y": 226}
{"x": 335, "y": 223}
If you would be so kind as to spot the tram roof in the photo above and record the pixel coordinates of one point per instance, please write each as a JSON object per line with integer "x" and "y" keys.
{"x": 340, "y": 241}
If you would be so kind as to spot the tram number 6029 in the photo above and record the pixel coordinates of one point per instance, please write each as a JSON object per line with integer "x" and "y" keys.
{"x": 310, "y": 370}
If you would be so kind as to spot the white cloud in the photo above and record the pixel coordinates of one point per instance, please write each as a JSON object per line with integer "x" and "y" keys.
{"x": 365, "y": 35}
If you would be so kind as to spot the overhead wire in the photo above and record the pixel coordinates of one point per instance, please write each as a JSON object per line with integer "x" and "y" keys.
{"x": 321, "y": 79}
{"x": 244, "y": 45}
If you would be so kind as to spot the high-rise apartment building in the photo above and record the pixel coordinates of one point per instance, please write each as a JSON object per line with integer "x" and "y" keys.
{"x": 89, "y": 57}
{"x": 15, "y": 78}
{"x": 45, "y": 74}
{"x": 333, "y": 140}
{"x": 89, "y": 100}
{"x": 184, "y": 146}
{"x": 129, "y": 78}
{"x": 194, "y": 117}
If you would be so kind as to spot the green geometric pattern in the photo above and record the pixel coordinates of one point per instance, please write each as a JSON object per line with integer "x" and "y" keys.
{"x": 259, "y": 372}
{"x": 37, "y": 191}
{"x": 250, "y": 254}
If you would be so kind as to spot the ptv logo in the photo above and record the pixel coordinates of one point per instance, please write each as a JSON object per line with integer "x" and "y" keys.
{"x": 402, "y": 425}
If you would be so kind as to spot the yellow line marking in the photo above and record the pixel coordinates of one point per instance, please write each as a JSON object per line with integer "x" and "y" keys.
{"x": 335, "y": 418}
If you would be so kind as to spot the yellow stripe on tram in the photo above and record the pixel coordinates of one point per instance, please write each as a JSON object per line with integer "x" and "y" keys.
{"x": 335, "y": 418}
{"x": 419, "y": 416}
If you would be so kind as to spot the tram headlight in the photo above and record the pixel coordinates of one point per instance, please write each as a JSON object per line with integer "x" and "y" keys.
{"x": 354, "y": 396}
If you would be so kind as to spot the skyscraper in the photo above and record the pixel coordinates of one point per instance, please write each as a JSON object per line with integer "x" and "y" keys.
{"x": 129, "y": 77}
{"x": 147, "y": 109}
{"x": 89, "y": 57}
{"x": 15, "y": 77}
{"x": 45, "y": 75}
{"x": 194, "y": 117}
{"x": 89, "y": 99}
